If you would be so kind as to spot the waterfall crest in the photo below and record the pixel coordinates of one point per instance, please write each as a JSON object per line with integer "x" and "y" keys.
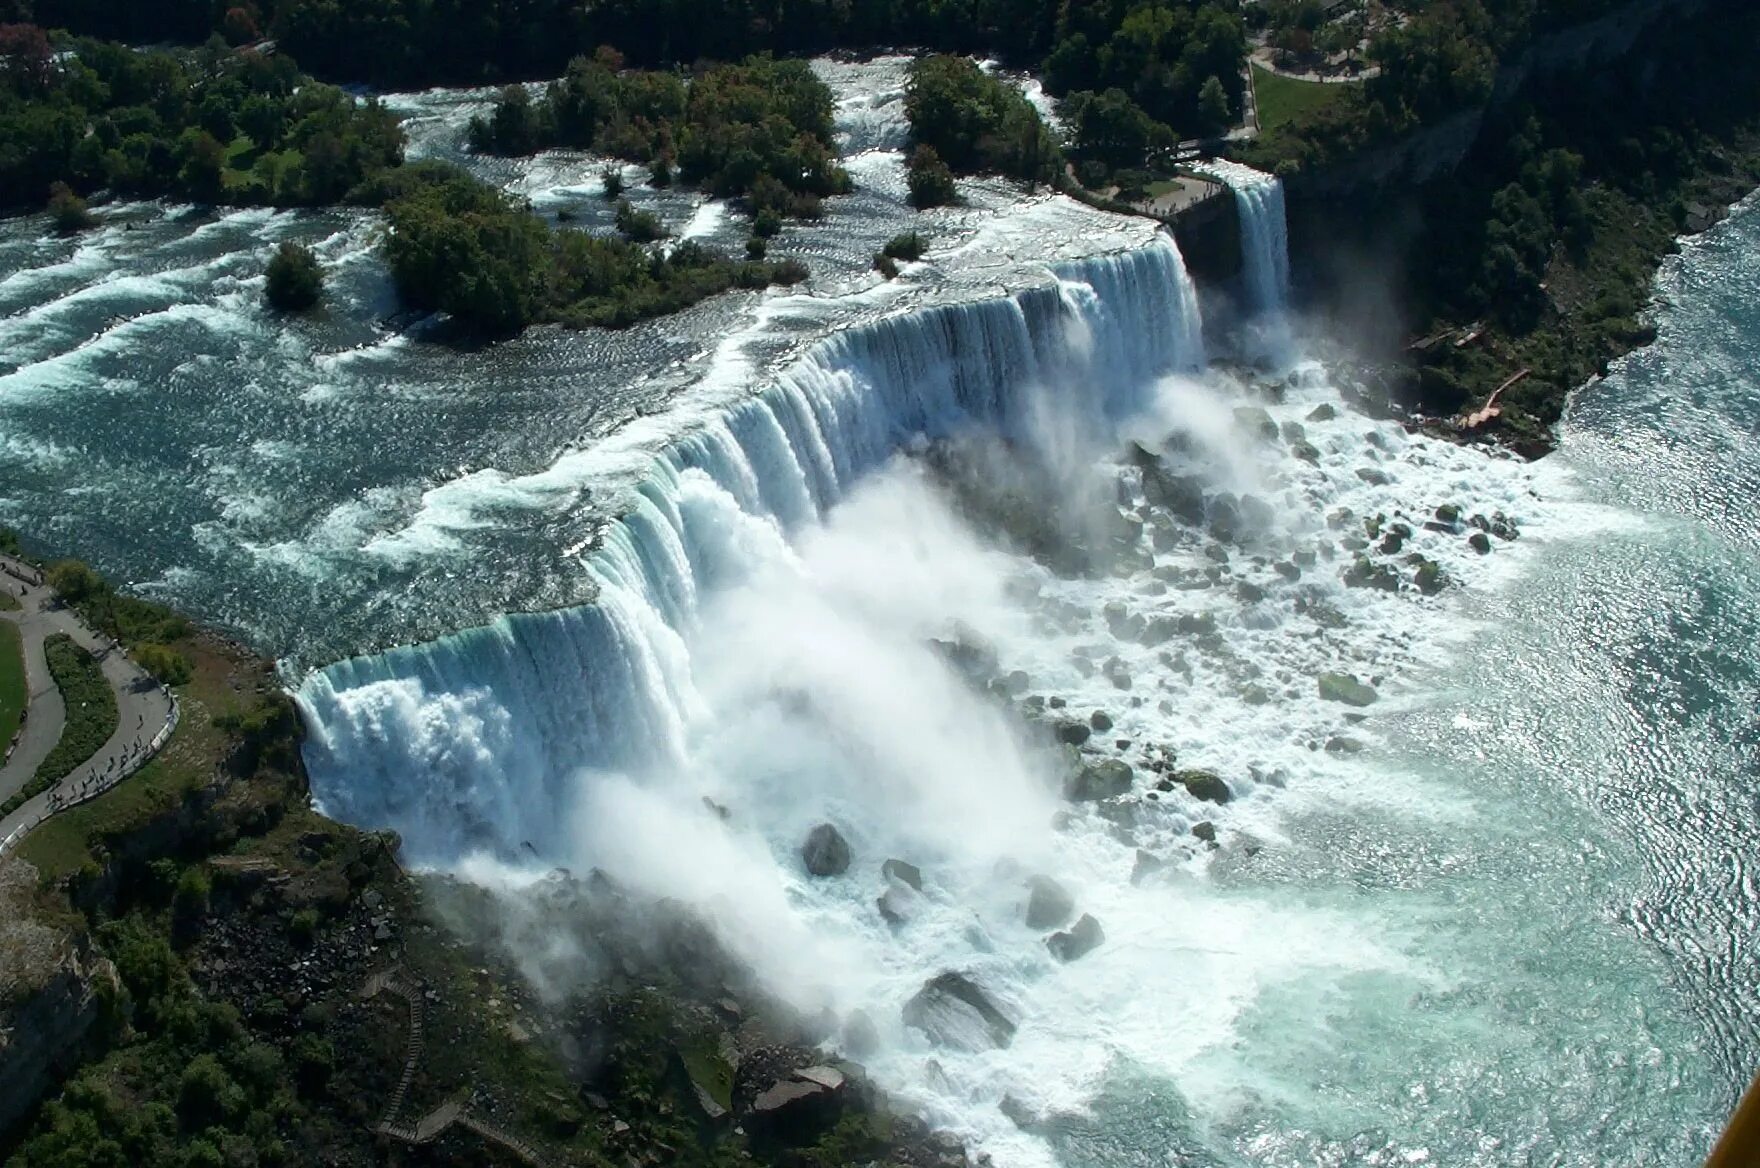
{"x": 477, "y": 740}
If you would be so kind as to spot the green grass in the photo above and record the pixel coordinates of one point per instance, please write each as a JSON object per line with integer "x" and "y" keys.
{"x": 1284, "y": 99}
{"x": 9, "y": 602}
{"x": 91, "y": 715}
{"x": 14, "y": 692}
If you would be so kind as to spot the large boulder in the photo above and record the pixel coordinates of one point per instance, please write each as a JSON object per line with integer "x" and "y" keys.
{"x": 1049, "y": 903}
{"x": 903, "y": 873}
{"x": 1342, "y": 687}
{"x": 952, "y": 1010}
{"x": 1205, "y": 785}
{"x": 1078, "y": 942}
{"x": 1106, "y": 779}
{"x": 799, "y": 1109}
{"x": 826, "y": 852}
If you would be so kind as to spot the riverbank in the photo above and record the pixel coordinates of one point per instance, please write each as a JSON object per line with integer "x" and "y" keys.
{"x": 265, "y": 982}
{"x": 1528, "y": 267}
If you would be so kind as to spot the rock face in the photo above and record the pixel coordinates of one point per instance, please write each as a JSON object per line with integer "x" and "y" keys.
{"x": 1078, "y": 942}
{"x": 1342, "y": 687}
{"x": 1106, "y": 779}
{"x": 1049, "y": 903}
{"x": 953, "y": 1011}
{"x": 826, "y": 852}
{"x": 42, "y": 1036}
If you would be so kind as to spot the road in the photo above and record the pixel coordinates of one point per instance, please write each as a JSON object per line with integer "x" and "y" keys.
{"x": 143, "y": 708}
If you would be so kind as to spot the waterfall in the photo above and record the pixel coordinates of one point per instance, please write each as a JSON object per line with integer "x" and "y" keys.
{"x": 479, "y": 740}
{"x": 1264, "y": 234}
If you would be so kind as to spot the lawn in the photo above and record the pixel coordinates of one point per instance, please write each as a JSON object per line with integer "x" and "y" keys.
{"x": 1284, "y": 99}
{"x": 14, "y": 692}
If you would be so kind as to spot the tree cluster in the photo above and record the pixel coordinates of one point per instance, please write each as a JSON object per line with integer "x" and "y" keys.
{"x": 975, "y": 123}
{"x": 212, "y": 126}
{"x": 460, "y": 247}
{"x": 742, "y": 129}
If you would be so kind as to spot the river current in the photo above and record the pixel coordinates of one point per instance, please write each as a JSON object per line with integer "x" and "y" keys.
{"x": 1503, "y": 915}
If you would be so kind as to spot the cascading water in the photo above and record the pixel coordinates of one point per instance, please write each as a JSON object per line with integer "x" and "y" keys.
{"x": 1264, "y": 234}
{"x": 476, "y": 740}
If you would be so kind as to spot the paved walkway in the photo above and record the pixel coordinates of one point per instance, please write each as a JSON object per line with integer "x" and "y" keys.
{"x": 145, "y": 710}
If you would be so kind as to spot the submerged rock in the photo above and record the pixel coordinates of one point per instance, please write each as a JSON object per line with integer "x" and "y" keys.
{"x": 1078, "y": 942}
{"x": 1324, "y": 412}
{"x": 1106, "y": 779}
{"x": 952, "y": 1010}
{"x": 826, "y": 852}
{"x": 1342, "y": 687}
{"x": 1049, "y": 903}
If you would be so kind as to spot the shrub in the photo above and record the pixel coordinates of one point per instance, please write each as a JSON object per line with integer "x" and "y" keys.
{"x": 886, "y": 265}
{"x": 909, "y": 246}
{"x": 68, "y": 210}
{"x": 163, "y": 662}
{"x": 612, "y": 178}
{"x": 295, "y": 281}
{"x": 931, "y": 182}
{"x": 638, "y": 226}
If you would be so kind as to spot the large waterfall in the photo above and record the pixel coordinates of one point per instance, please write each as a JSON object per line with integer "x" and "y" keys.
{"x": 478, "y": 740}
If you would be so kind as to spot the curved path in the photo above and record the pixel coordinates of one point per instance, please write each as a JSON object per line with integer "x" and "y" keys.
{"x": 145, "y": 709}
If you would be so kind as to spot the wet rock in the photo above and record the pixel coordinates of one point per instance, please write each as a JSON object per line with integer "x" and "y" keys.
{"x": 1365, "y": 573}
{"x": 1056, "y": 703}
{"x": 1480, "y": 542}
{"x": 1049, "y": 903}
{"x": 1303, "y": 558}
{"x": 1018, "y": 682}
{"x": 1196, "y": 624}
{"x": 1205, "y": 830}
{"x": 1106, "y": 779}
{"x": 906, "y": 874}
{"x": 1117, "y": 673}
{"x": 1248, "y": 592}
{"x": 826, "y": 852}
{"x": 1342, "y": 687}
{"x": 1255, "y": 421}
{"x": 952, "y": 1010}
{"x": 1146, "y": 865}
{"x": 1293, "y": 432}
{"x": 1341, "y": 744}
{"x": 894, "y": 905}
{"x": 1306, "y": 452}
{"x": 1392, "y": 542}
{"x": 1071, "y": 731}
{"x": 1324, "y": 412}
{"x": 1157, "y": 631}
{"x": 1205, "y": 785}
{"x": 1018, "y": 1113}
{"x": 1429, "y": 577}
{"x": 794, "y": 1112}
{"x": 1181, "y": 496}
{"x": 1287, "y": 570}
{"x": 1372, "y": 476}
{"x": 1077, "y": 942}
{"x": 1254, "y": 694}
{"x": 1100, "y": 720}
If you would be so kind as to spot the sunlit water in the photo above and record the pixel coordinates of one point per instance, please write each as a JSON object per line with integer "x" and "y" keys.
{"x": 1515, "y": 926}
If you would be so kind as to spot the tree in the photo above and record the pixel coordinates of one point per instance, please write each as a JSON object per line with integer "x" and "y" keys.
{"x": 163, "y": 662}
{"x": 295, "y": 282}
{"x": 74, "y": 581}
{"x": 931, "y": 182}
{"x": 1213, "y": 105}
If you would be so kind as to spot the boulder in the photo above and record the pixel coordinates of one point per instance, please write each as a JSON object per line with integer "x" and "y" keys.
{"x": 894, "y": 905}
{"x": 1205, "y": 830}
{"x": 860, "y": 1036}
{"x": 1100, "y": 720}
{"x": 1180, "y": 495}
{"x": 1078, "y": 942}
{"x": 1256, "y": 422}
{"x": 1480, "y": 542}
{"x": 1324, "y": 412}
{"x": 1364, "y": 573}
{"x": 826, "y": 852}
{"x": 1429, "y": 577}
{"x": 1205, "y": 785}
{"x": 1373, "y": 476}
{"x": 1146, "y": 865}
{"x": 1072, "y": 732}
{"x": 1106, "y": 779}
{"x": 794, "y": 1111}
{"x": 952, "y": 1010}
{"x": 904, "y": 873}
{"x": 1049, "y": 903}
{"x": 1342, "y": 687}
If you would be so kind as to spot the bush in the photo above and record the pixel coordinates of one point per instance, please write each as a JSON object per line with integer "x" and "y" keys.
{"x": 163, "y": 662}
{"x": 638, "y": 226}
{"x": 931, "y": 182}
{"x": 757, "y": 248}
{"x": 68, "y": 210}
{"x": 612, "y": 179}
{"x": 909, "y": 246}
{"x": 886, "y": 265}
{"x": 295, "y": 281}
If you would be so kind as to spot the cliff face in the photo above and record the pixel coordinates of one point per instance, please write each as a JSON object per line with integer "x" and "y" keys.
{"x": 1436, "y": 150}
{"x": 55, "y": 987}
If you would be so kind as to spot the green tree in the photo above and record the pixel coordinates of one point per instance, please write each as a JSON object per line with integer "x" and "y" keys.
{"x": 1213, "y": 107}
{"x": 931, "y": 182}
{"x": 68, "y": 211}
{"x": 295, "y": 281}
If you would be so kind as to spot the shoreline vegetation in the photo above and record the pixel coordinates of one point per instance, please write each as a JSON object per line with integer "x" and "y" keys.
{"x": 187, "y": 967}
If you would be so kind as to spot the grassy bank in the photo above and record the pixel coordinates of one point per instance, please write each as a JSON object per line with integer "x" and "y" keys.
{"x": 14, "y": 687}
{"x": 1283, "y": 100}
{"x": 91, "y": 716}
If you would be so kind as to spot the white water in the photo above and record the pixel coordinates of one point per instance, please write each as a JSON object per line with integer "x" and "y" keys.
{"x": 1264, "y": 235}
{"x": 760, "y": 640}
